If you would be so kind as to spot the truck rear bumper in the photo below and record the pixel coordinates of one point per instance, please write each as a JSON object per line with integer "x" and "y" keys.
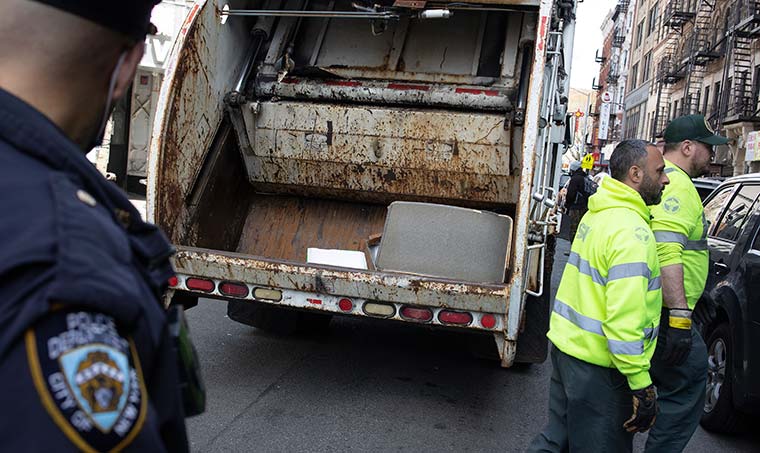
{"x": 400, "y": 297}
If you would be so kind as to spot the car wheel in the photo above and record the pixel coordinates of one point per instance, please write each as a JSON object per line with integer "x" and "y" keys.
{"x": 719, "y": 413}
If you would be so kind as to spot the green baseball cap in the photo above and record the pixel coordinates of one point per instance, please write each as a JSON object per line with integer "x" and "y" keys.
{"x": 692, "y": 127}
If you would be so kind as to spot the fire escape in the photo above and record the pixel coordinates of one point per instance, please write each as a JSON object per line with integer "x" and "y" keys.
{"x": 677, "y": 13}
{"x": 701, "y": 52}
{"x": 687, "y": 52}
{"x": 738, "y": 100}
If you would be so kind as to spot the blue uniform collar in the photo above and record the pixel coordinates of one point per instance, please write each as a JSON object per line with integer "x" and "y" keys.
{"x": 32, "y": 133}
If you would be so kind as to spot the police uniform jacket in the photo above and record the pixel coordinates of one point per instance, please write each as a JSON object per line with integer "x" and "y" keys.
{"x": 86, "y": 363}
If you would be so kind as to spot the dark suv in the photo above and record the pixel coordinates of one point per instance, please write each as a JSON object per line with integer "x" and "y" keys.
{"x": 729, "y": 311}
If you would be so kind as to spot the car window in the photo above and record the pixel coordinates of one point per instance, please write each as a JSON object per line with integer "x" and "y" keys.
{"x": 715, "y": 206}
{"x": 736, "y": 215}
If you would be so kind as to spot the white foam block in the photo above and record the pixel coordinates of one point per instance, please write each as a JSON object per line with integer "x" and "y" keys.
{"x": 340, "y": 258}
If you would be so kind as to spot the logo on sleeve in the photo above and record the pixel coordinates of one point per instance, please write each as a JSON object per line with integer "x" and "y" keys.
{"x": 642, "y": 234}
{"x": 671, "y": 205}
{"x": 89, "y": 379}
{"x": 583, "y": 231}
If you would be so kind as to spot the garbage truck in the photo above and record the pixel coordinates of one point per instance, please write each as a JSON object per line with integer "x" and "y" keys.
{"x": 395, "y": 160}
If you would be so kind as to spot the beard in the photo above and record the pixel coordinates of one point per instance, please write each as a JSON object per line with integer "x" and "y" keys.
{"x": 651, "y": 191}
{"x": 701, "y": 170}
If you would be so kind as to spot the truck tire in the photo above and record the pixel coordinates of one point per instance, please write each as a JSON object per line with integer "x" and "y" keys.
{"x": 277, "y": 320}
{"x": 718, "y": 413}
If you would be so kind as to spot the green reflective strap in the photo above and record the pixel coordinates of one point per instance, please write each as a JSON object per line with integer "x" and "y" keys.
{"x": 669, "y": 236}
{"x": 584, "y": 322}
{"x": 584, "y": 267}
{"x": 595, "y": 326}
{"x": 629, "y": 270}
{"x": 625, "y": 347}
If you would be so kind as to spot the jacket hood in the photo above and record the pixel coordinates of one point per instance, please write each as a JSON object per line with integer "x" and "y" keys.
{"x": 614, "y": 194}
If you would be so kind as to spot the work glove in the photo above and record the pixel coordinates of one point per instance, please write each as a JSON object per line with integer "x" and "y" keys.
{"x": 644, "y": 410}
{"x": 674, "y": 346}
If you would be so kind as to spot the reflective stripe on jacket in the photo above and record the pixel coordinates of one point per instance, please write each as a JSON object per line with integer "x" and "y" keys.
{"x": 607, "y": 308}
{"x": 680, "y": 230}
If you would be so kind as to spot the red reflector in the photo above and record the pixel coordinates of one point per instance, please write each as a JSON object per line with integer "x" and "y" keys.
{"x": 173, "y": 281}
{"x": 314, "y": 301}
{"x": 289, "y": 80}
{"x": 417, "y": 314}
{"x": 454, "y": 317}
{"x": 477, "y": 91}
{"x": 346, "y": 304}
{"x": 342, "y": 83}
{"x": 200, "y": 284}
{"x": 403, "y": 86}
{"x": 233, "y": 289}
{"x": 488, "y": 321}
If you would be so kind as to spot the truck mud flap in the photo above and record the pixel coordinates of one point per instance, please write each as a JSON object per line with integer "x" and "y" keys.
{"x": 532, "y": 344}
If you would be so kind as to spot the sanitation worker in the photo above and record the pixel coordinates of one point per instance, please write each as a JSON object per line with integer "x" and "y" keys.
{"x": 679, "y": 366}
{"x": 86, "y": 359}
{"x": 607, "y": 308}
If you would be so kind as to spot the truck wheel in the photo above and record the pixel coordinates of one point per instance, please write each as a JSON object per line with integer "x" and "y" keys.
{"x": 277, "y": 320}
{"x": 719, "y": 414}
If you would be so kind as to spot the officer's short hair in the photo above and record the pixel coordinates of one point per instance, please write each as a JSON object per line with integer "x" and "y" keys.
{"x": 672, "y": 146}
{"x": 627, "y": 154}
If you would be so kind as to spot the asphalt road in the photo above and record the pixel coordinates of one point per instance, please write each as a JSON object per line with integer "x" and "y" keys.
{"x": 371, "y": 386}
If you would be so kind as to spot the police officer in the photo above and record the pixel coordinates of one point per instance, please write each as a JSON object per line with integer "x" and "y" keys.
{"x": 679, "y": 366}
{"x": 604, "y": 317}
{"x": 86, "y": 362}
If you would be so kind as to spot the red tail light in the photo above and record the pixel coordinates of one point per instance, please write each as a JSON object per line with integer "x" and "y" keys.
{"x": 200, "y": 284}
{"x": 173, "y": 281}
{"x": 233, "y": 289}
{"x": 417, "y": 314}
{"x": 455, "y": 317}
{"x": 346, "y": 304}
{"x": 488, "y": 321}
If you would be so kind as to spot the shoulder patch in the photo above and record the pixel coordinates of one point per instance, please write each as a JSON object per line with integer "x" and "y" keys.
{"x": 642, "y": 234}
{"x": 89, "y": 379}
{"x": 583, "y": 231}
{"x": 671, "y": 205}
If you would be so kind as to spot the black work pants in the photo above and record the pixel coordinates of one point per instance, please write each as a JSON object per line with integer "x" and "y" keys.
{"x": 680, "y": 396}
{"x": 588, "y": 405}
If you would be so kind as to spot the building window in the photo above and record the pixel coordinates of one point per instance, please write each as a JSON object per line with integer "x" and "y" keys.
{"x": 646, "y": 67}
{"x": 652, "y": 20}
{"x": 756, "y": 88}
{"x": 716, "y": 98}
{"x": 632, "y": 119}
{"x": 634, "y": 75}
{"x": 675, "y": 110}
{"x": 639, "y": 33}
{"x": 705, "y": 101}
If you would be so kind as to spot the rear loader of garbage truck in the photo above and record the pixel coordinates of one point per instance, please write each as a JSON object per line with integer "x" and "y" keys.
{"x": 321, "y": 158}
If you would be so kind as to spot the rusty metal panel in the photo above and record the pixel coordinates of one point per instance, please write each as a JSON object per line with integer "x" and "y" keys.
{"x": 284, "y": 227}
{"x": 390, "y": 287}
{"x": 202, "y": 67}
{"x": 530, "y": 137}
{"x": 437, "y": 154}
{"x": 374, "y": 92}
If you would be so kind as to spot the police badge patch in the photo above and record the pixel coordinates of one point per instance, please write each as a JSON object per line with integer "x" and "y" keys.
{"x": 89, "y": 379}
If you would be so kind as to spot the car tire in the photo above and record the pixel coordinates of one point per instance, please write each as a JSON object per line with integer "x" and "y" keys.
{"x": 718, "y": 414}
{"x": 276, "y": 320}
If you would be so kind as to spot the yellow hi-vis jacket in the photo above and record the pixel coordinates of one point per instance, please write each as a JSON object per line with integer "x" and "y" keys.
{"x": 680, "y": 230}
{"x": 607, "y": 309}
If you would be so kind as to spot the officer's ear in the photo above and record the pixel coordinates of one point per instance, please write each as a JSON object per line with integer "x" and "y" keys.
{"x": 636, "y": 174}
{"x": 687, "y": 148}
{"x": 126, "y": 72}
